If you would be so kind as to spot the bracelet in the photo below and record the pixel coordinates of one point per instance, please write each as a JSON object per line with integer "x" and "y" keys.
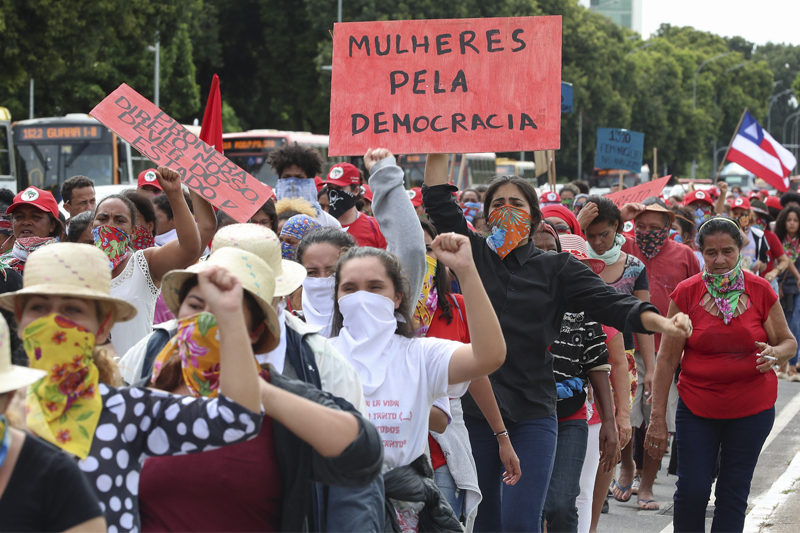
{"x": 503, "y": 433}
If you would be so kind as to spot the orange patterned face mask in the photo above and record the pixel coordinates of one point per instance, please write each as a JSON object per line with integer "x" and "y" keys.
{"x": 510, "y": 226}
{"x": 63, "y": 407}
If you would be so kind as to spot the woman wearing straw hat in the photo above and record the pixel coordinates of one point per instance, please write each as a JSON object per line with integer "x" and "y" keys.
{"x": 260, "y": 485}
{"x": 77, "y": 405}
{"x": 41, "y": 489}
{"x": 137, "y": 275}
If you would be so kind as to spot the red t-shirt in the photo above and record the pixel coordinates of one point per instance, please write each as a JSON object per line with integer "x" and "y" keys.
{"x": 673, "y": 264}
{"x": 719, "y": 378}
{"x": 456, "y": 330}
{"x": 234, "y": 488}
{"x": 775, "y": 249}
{"x": 366, "y": 232}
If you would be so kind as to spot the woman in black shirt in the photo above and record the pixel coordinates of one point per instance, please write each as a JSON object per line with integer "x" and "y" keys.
{"x": 530, "y": 291}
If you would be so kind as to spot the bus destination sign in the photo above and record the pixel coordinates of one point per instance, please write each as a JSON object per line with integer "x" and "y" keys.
{"x": 251, "y": 144}
{"x": 60, "y": 133}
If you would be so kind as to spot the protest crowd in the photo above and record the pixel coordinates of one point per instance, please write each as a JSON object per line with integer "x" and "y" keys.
{"x": 355, "y": 356}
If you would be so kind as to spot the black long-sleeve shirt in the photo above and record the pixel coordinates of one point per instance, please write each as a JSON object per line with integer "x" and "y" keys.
{"x": 530, "y": 291}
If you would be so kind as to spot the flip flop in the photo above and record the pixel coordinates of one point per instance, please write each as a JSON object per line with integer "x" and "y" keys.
{"x": 623, "y": 490}
{"x": 647, "y": 502}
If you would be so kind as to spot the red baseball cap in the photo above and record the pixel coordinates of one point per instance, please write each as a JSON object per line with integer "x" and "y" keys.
{"x": 344, "y": 174}
{"x": 319, "y": 183}
{"x": 367, "y": 192}
{"x": 698, "y": 196}
{"x": 148, "y": 177}
{"x": 740, "y": 203}
{"x": 774, "y": 202}
{"x": 550, "y": 198}
{"x": 38, "y": 198}
{"x": 415, "y": 194}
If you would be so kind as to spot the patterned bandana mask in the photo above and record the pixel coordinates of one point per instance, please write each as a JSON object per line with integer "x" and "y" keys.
{"x": 142, "y": 238}
{"x": 114, "y": 242}
{"x": 22, "y": 249}
{"x": 759, "y": 223}
{"x": 288, "y": 251}
{"x": 64, "y": 406}
{"x": 298, "y": 227}
{"x": 791, "y": 245}
{"x": 470, "y": 210}
{"x": 510, "y": 226}
{"x": 567, "y": 202}
{"x": 5, "y": 439}
{"x": 743, "y": 221}
{"x": 701, "y": 214}
{"x": 428, "y": 300}
{"x": 650, "y": 242}
{"x": 340, "y": 202}
{"x": 726, "y": 289}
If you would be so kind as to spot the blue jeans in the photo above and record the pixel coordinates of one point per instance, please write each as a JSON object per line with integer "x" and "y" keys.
{"x": 793, "y": 319}
{"x": 559, "y": 508}
{"x": 356, "y": 509}
{"x": 699, "y": 440}
{"x": 447, "y": 485}
{"x": 518, "y": 507}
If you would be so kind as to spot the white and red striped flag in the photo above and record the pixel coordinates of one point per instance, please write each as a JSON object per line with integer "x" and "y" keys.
{"x": 755, "y": 149}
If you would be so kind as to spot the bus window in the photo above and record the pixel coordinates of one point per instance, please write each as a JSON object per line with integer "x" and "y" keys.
{"x": 5, "y": 155}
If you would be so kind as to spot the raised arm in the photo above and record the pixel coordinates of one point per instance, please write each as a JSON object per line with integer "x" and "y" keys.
{"x": 396, "y": 216}
{"x": 719, "y": 206}
{"x": 206, "y": 219}
{"x": 487, "y": 352}
{"x": 183, "y": 251}
{"x": 436, "y": 169}
{"x": 437, "y": 196}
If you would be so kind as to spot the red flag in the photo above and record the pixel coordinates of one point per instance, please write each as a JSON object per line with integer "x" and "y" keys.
{"x": 211, "y": 127}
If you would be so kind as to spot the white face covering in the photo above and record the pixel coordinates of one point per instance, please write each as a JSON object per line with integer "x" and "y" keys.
{"x": 368, "y": 330}
{"x": 167, "y": 237}
{"x": 317, "y": 300}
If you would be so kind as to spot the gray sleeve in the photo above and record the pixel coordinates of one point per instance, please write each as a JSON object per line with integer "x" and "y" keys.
{"x": 398, "y": 221}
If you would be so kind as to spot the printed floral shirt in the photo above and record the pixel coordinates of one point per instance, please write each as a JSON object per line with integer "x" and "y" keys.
{"x": 139, "y": 423}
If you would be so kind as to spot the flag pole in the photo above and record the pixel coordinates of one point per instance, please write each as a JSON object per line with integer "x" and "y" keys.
{"x": 722, "y": 163}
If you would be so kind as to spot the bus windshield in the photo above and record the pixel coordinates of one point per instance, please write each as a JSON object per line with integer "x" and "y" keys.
{"x": 43, "y": 164}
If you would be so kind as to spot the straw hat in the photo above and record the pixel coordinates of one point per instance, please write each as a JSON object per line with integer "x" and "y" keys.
{"x": 254, "y": 274}
{"x": 261, "y": 241}
{"x": 13, "y": 377}
{"x": 657, "y": 205}
{"x": 69, "y": 269}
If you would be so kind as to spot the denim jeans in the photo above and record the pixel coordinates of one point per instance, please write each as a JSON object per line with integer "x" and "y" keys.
{"x": 356, "y": 509}
{"x": 447, "y": 485}
{"x": 793, "y": 319}
{"x": 518, "y": 507}
{"x": 560, "y": 510}
{"x": 699, "y": 440}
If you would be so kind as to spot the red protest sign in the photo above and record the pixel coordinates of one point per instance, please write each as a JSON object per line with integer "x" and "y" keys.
{"x": 446, "y": 86}
{"x": 639, "y": 193}
{"x": 165, "y": 142}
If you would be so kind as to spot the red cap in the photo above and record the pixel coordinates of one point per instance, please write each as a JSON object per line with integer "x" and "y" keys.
{"x": 148, "y": 177}
{"x": 773, "y": 202}
{"x": 415, "y": 195}
{"x": 367, "y": 192}
{"x": 740, "y": 203}
{"x": 550, "y": 198}
{"x": 38, "y": 198}
{"x": 698, "y": 196}
{"x": 319, "y": 183}
{"x": 344, "y": 174}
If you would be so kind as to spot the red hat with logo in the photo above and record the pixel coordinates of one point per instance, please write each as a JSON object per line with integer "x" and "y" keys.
{"x": 698, "y": 196}
{"x": 319, "y": 183}
{"x": 344, "y": 174}
{"x": 550, "y": 198}
{"x": 367, "y": 192}
{"x": 415, "y": 195}
{"x": 148, "y": 177}
{"x": 740, "y": 203}
{"x": 42, "y": 200}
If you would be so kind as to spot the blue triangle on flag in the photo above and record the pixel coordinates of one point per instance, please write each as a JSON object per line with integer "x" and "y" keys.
{"x": 751, "y": 129}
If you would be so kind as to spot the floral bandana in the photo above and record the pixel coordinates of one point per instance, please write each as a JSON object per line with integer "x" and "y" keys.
{"x": 567, "y": 202}
{"x": 298, "y": 227}
{"x": 743, "y": 221}
{"x": 759, "y": 223}
{"x": 142, "y": 238}
{"x": 114, "y": 242}
{"x": 650, "y": 242}
{"x": 726, "y": 289}
{"x": 510, "y": 226}
{"x": 701, "y": 214}
{"x": 63, "y": 407}
{"x": 197, "y": 344}
{"x": 428, "y": 300}
{"x": 791, "y": 245}
{"x": 470, "y": 210}
{"x": 18, "y": 255}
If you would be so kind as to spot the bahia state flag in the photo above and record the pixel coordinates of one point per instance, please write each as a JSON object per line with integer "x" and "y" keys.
{"x": 755, "y": 149}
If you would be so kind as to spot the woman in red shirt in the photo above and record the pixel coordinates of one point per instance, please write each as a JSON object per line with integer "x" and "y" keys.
{"x": 727, "y": 389}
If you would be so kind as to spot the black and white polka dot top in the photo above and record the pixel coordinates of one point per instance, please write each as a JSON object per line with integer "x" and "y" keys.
{"x": 139, "y": 423}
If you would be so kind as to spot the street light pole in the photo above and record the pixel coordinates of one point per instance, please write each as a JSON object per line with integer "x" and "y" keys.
{"x": 795, "y": 114}
{"x": 157, "y": 76}
{"x": 769, "y": 108}
{"x": 694, "y": 92}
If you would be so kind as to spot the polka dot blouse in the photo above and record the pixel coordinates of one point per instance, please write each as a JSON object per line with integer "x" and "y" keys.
{"x": 139, "y": 423}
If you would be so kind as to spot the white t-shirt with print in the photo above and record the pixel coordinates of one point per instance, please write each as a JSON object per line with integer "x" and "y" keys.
{"x": 416, "y": 376}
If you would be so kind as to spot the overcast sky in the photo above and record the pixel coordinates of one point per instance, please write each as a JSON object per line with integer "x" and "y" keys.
{"x": 758, "y": 21}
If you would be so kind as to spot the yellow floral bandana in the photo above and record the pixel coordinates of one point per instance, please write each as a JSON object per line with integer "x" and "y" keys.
{"x": 64, "y": 406}
{"x": 428, "y": 300}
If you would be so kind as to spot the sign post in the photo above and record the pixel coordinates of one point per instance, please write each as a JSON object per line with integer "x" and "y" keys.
{"x": 166, "y": 143}
{"x": 446, "y": 86}
{"x": 619, "y": 149}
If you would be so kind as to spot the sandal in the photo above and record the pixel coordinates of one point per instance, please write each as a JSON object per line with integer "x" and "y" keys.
{"x": 637, "y": 480}
{"x": 623, "y": 490}
{"x": 646, "y": 503}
